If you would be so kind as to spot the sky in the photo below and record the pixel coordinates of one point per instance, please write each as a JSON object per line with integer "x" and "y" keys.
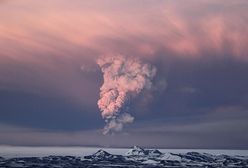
{"x": 50, "y": 77}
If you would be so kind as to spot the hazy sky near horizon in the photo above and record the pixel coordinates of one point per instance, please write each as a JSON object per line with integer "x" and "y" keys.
{"x": 49, "y": 79}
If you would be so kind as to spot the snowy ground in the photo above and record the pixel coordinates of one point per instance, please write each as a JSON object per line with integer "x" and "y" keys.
{"x": 18, "y": 151}
{"x": 136, "y": 157}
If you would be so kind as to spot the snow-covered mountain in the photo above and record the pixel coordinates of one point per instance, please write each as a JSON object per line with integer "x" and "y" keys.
{"x": 102, "y": 155}
{"x": 135, "y": 157}
{"x": 139, "y": 157}
{"x": 138, "y": 151}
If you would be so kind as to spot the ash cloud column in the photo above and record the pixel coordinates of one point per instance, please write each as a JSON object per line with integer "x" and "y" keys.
{"x": 124, "y": 78}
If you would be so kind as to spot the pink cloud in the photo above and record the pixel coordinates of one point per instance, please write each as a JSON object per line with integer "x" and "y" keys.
{"x": 59, "y": 37}
{"x": 186, "y": 30}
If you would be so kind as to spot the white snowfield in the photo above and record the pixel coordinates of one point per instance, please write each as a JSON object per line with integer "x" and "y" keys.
{"x": 104, "y": 158}
{"x": 24, "y": 151}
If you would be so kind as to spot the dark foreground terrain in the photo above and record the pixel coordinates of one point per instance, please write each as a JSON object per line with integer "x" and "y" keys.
{"x": 136, "y": 157}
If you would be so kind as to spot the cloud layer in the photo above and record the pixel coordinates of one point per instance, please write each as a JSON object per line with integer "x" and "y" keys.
{"x": 49, "y": 75}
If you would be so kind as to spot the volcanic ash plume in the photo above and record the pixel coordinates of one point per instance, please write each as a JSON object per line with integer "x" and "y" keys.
{"x": 124, "y": 78}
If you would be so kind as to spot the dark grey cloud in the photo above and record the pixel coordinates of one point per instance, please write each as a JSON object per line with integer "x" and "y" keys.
{"x": 215, "y": 131}
{"x": 47, "y": 113}
{"x": 204, "y": 101}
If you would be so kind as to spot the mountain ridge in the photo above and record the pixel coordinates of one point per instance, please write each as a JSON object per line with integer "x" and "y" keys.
{"x": 135, "y": 157}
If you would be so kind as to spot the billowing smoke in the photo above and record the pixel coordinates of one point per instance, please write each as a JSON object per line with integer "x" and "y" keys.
{"x": 124, "y": 78}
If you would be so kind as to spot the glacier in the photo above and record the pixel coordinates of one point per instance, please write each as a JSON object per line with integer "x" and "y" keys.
{"x": 132, "y": 158}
